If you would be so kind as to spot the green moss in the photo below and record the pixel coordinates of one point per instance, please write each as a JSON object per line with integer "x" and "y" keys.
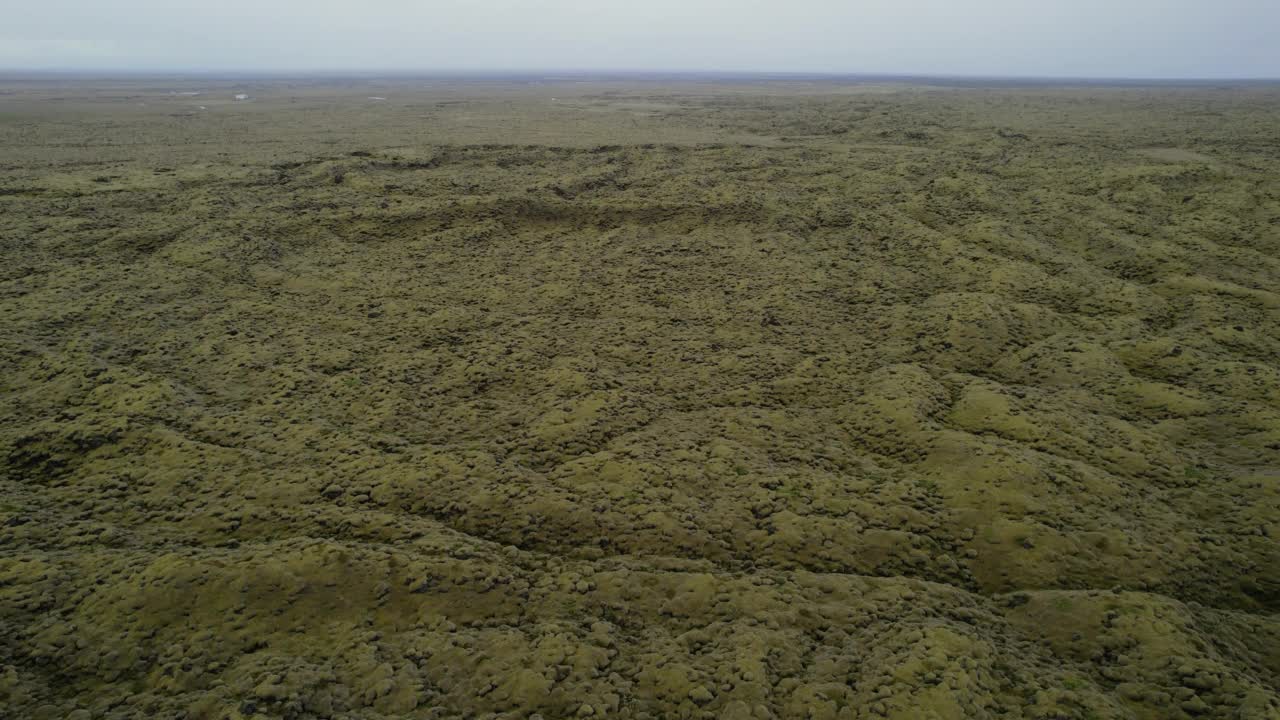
{"x": 784, "y": 400}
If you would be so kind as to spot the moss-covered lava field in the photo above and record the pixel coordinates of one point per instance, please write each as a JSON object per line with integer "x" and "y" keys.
{"x": 627, "y": 398}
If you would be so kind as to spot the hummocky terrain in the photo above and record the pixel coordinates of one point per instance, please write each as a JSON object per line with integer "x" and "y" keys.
{"x": 581, "y": 398}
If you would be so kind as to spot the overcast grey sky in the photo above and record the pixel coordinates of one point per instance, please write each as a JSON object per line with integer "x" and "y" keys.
{"x": 1097, "y": 38}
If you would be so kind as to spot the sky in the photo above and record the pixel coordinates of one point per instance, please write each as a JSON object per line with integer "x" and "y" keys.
{"x": 1039, "y": 38}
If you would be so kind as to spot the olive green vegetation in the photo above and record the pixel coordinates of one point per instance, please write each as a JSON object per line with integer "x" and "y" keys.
{"x": 638, "y": 400}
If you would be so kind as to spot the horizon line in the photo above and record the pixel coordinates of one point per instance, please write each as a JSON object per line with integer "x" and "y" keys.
{"x": 550, "y": 73}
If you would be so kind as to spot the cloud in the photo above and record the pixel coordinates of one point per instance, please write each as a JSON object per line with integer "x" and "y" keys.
{"x": 1169, "y": 38}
